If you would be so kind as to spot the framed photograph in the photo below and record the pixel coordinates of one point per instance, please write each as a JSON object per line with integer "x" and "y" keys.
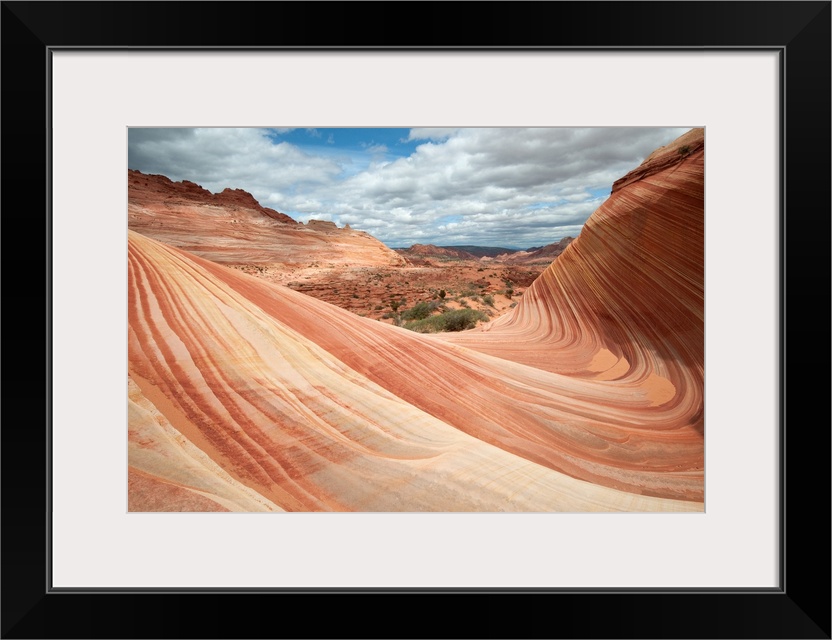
{"x": 752, "y": 80}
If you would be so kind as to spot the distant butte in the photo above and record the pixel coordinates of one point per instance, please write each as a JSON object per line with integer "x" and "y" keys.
{"x": 537, "y": 256}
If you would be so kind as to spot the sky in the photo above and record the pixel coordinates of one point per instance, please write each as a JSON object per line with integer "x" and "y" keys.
{"x": 503, "y": 187}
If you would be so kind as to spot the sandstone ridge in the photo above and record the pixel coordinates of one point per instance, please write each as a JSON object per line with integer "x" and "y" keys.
{"x": 231, "y": 227}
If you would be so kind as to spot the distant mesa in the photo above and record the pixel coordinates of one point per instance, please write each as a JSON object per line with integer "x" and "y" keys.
{"x": 537, "y": 255}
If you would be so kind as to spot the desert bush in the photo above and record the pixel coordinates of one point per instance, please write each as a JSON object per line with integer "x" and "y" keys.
{"x": 462, "y": 319}
{"x": 419, "y": 312}
{"x": 488, "y": 299}
{"x": 457, "y": 320}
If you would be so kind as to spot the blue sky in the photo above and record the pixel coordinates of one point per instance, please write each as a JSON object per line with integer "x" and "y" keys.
{"x": 509, "y": 187}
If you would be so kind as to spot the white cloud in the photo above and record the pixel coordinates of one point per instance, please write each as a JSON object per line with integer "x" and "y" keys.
{"x": 505, "y": 187}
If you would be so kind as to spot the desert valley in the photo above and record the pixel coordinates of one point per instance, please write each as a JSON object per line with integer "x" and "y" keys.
{"x": 279, "y": 366}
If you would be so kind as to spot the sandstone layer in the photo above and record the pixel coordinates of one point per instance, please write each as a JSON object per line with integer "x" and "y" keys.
{"x": 588, "y": 396}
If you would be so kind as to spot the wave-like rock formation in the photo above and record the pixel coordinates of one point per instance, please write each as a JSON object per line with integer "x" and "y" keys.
{"x": 245, "y": 395}
{"x": 231, "y": 227}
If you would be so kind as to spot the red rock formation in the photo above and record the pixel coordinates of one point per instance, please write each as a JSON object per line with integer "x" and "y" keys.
{"x": 231, "y": 227}
{"x": 246, "y": 395}
{"x": 536, "y": 256}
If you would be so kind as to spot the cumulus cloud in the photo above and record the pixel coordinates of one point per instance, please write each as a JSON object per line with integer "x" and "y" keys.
{"x": 503, "y": 186}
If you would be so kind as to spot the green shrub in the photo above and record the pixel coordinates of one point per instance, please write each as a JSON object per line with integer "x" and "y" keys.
{"x": 419, "y": 312}
{"x": 457, "y": 320}
{"x": 462, "y": 319}
{"x": 488, "y": 299}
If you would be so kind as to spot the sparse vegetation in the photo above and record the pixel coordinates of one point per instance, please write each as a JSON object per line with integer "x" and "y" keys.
{"x": 420, "y": 311}
{"x": 456, "y": 320}
{"x": 684, "y": 150}
{"x": 407, "y": 295}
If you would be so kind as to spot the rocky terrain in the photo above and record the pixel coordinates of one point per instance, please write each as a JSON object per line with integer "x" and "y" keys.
{"x": 345, "y": 267}
{"x": 588, "y": 395}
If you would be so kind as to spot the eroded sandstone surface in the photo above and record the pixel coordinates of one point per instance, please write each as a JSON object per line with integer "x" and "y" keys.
{"x": 587, "y": 396}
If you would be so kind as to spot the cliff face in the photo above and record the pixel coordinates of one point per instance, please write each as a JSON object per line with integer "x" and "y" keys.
{"x": 245, "y": 395}
{"x": 231, "y": 227}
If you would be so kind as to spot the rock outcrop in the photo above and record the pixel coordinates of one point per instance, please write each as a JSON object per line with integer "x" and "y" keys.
{"x": 231, "y": 227}
{"x": 245, "y": 395}
{"x": 536, "y": 256}
{"x": 432, "y": 251}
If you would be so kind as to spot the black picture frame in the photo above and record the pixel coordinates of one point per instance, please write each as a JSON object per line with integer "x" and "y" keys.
{"x": 799, "y": 608}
